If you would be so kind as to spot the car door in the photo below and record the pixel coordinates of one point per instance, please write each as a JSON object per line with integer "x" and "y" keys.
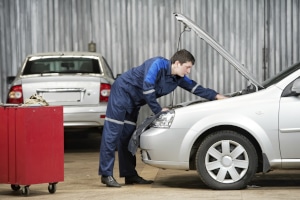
{"x": 289, "y": 123}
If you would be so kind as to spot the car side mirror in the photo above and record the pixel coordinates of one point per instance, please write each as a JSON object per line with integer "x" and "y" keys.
{"x": 296, "y": 87}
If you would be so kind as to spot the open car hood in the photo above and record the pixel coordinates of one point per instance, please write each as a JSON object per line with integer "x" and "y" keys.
{"x": 207, "y": 38}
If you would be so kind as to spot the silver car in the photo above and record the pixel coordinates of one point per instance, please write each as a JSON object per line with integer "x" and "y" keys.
{"x": 229, "y": 141}
{"x": 79, "y": 81}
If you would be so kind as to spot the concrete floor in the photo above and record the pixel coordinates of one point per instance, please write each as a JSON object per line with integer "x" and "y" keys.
{"x": 82, "y": 182}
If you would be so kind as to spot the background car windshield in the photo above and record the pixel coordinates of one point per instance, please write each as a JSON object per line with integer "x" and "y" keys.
{"x": 278, "y": 77}
{"x": 62, "y": 65}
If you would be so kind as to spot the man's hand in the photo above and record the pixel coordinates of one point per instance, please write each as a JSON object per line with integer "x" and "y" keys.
{"x": 220, "y": 96}
{"x": 165, "y": 109}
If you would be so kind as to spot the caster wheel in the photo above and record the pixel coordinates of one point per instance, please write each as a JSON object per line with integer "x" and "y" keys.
{"x": 52, "y": 188}
{"x": 15, "y": 187}
{"x": 25, "y": 191}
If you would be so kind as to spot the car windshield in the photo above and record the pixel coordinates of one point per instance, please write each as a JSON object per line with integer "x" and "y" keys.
{"x": 278, "y": 77}
{"x": 62, "y": 65}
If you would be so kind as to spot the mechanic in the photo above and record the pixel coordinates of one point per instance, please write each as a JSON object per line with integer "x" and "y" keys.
{"x": 138, "y": 86}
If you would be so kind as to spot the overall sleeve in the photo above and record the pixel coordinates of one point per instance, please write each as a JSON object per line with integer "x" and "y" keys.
{"x": 149, "y": 84}
{"x": 197, "y": 89}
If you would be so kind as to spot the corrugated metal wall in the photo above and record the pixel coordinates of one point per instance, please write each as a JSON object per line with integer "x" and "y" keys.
{"x": 282, "y": 35}
{"x": 236, "y": 25}
{"x": 262, "y": 34}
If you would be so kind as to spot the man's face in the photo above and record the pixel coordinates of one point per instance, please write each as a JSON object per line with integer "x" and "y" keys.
{"x": 184, "y": 68}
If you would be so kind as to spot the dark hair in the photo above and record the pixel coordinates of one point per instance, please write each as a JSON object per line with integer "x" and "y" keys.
{"x": 182, "y": 56}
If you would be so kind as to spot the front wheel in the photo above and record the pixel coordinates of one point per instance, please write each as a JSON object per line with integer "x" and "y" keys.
{"x": 226, "y": 160}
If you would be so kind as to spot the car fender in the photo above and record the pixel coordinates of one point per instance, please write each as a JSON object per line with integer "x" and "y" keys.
{"x": 246, "y": 123}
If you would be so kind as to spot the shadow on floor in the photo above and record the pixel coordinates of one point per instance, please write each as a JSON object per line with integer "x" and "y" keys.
{"x": 82, "y": 140}
{"x": 190, "y": 179}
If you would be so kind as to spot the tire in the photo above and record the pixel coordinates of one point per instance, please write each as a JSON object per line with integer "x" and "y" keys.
{"x": 226, "y": 160}
{"x": 15, "y": 187}
{"x": 52, "y": 188}
{"x": 25, "y": 191}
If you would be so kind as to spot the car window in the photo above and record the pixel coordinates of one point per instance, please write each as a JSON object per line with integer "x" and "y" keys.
{"x": 62, "y": 65}
{"x": 108, "y": 69}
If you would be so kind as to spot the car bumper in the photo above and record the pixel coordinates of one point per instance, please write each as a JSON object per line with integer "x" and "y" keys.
{"x": 162, "y": 148}
{"x": 84, "y": 116}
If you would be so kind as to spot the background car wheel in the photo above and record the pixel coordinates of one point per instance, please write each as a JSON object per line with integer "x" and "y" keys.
{"x": 226, "y": 160}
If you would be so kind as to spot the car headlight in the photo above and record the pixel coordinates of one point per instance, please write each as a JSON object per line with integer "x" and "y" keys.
{"x": 164, "y": 120}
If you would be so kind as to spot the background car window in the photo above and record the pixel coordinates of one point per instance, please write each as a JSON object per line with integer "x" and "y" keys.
{"x": 62, "y": 65}
{"x": 108, "y": 69}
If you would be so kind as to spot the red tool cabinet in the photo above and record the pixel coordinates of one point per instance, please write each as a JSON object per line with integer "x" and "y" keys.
{"x": 31, "y": 146}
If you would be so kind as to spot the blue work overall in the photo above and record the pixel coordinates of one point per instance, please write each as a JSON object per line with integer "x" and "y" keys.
{"x": 138, "y": 86}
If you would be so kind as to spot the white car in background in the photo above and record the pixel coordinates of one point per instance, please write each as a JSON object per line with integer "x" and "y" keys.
{"x": 229, "y": 141}
{"x": 78, "y": 81}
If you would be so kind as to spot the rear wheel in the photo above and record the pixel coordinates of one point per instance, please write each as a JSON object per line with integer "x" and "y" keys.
{"x": 226, "y": 160}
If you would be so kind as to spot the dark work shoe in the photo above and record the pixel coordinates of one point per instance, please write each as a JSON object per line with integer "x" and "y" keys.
{"x": 136, "y": 180}
{"x": 109, "y": 181}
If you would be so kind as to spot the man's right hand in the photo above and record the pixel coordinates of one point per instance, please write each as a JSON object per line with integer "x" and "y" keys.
{"x": 165, "y": 109}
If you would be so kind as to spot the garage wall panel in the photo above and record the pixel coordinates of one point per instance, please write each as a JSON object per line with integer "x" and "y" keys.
{"x": 282, "y": 35}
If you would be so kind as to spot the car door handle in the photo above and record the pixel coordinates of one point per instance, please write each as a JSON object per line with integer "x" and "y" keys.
{"x": 289, "y": 130}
